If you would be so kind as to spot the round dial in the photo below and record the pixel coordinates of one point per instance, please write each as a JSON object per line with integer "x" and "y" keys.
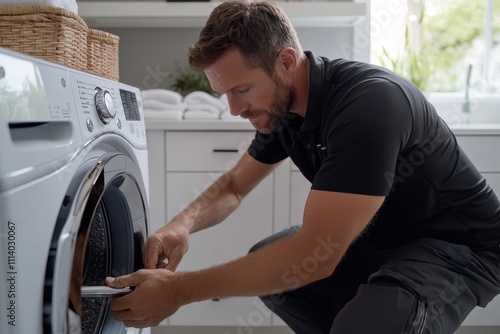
{"x": 104, "y": 105}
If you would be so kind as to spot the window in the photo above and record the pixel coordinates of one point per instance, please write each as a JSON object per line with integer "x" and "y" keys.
{"x": 439, "y": 44}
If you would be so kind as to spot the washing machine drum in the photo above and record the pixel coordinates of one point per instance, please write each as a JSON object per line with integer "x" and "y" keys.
{"x": 103, "y": 226}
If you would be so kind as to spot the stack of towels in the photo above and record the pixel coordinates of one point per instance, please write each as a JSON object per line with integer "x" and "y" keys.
{"x": 162, "y": 103}
{"x": 226, "y": 114}
{"x": 66, "y": 4}
{"x": 167, "y": 104}
{"x": 201, "y": 105}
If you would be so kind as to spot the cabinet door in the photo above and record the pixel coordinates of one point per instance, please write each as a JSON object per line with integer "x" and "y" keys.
{"x": 299, "y": 190}
{"x": 484, "y": 316}
{"x": 231, "y": 239}
{"x": 195, "y": 151}
{"x": 493, "y": 180}
{"x": 479, "y": 151}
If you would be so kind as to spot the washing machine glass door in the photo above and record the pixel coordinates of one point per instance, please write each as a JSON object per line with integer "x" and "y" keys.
{"x": 104, "y": 231}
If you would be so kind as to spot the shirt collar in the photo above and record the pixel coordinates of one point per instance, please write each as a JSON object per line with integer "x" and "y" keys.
{"x": 296, "y": 122}
{"x": 314, "y": 101}
{"x": 315, "y": 97}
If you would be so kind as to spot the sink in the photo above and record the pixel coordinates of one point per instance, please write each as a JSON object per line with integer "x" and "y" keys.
{"x": 484, "y": 109}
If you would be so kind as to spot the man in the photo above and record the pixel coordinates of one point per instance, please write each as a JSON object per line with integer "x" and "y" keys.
{"x": 412, "y": 231}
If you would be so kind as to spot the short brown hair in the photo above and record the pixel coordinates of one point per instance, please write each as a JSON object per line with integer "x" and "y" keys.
{"x": 259, "y": 29}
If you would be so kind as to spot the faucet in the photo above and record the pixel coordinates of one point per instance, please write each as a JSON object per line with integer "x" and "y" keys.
{"x": 466, "y": 104}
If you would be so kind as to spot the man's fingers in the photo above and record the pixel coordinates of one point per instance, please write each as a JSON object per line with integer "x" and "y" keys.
{"x": 124, "y": 281}
{"x": 151, "y": 253}
{"x": 175, "y": 259}
{"x": 118, "y": 282}
{"x": 121, "y": 306}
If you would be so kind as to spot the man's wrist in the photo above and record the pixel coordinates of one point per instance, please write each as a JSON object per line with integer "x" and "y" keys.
{"x": 185, "y": 288}
{"x": 183, "y": 221}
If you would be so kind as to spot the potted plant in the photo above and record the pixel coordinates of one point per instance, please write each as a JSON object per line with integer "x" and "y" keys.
{"x": 187, "y": 81}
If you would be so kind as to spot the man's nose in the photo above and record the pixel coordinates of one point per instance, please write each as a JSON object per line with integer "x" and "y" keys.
{"x": 236, "y": 106}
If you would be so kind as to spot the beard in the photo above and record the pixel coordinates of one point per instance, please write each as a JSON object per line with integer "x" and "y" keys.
{"x": 283, "y": 100}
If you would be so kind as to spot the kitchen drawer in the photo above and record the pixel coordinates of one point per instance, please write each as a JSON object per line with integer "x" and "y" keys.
{"x": 299, "y": 188}
{"x": 493, "y": 180}
{"x": 483, "y": 151}
{"x": 205, "y": 150}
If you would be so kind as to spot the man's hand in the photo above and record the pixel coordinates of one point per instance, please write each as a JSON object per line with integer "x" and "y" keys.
{"x": 152, "y": 300}
{"x": 170, "y": 243}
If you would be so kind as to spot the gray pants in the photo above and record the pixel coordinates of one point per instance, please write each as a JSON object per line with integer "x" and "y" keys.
{"x": 426, "y": 286}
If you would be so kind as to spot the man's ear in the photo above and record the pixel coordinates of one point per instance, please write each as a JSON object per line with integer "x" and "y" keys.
{"x": 287, "y": 59}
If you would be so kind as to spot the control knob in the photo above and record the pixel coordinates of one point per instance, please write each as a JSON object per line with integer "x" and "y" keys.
{"x": 104, "y": 105}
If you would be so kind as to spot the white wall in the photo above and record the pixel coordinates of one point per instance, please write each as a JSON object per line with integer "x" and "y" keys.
{"x": 148, "y": 54}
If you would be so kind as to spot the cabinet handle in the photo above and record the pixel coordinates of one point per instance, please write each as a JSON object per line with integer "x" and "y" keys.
{"x": 220, "y": 150}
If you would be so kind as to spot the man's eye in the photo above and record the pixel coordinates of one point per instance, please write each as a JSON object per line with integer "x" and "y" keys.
{"x": 243, "y": 90}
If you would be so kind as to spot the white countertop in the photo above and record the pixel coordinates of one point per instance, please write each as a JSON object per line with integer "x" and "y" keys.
{"x": 486, "y": 129}
{"x": 199, "y": 125}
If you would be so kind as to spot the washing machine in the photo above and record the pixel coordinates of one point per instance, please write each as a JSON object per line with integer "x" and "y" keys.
{"x": 73, "y": 195}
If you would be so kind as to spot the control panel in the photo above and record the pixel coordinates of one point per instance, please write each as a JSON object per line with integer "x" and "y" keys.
{"x": 104, "y": 105}
{"x": 107, "y": 106}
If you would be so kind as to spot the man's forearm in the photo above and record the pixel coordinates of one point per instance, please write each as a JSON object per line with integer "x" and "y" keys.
{"x": 211, "y": 207}
{"x": 284, "y": 265}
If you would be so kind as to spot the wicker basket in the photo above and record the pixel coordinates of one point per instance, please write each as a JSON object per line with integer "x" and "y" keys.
{"x": 102, "y": 54}
{"x": 51, "y": 33}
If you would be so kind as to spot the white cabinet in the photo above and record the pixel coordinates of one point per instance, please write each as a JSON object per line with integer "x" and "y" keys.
{"x": 250, "y": 223}
{"x": 299, "y": 187}
{"x": 192, "y": 161}
{"x": 483, "y": 151}
{"x": 207, "y": 151}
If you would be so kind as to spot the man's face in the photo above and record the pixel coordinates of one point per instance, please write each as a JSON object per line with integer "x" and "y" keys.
{"x": 251, "y": 92}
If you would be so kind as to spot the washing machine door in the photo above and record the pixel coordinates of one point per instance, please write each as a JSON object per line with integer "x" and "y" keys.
{"x": 101, "y": 229}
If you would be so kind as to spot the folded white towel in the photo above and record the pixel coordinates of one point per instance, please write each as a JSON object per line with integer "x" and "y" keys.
{"x": 223, "y": 99}
{"x": 160, "y": 105}
{"x": 166, "y": 114}
{"x": 199, "y": 97}
{"x": 163, "y": 95}
{"x": 203, "y": 107}
{"x": 66, "y": 4}
{"x": 200, "y": 114}
{"x": 226, "y": 115}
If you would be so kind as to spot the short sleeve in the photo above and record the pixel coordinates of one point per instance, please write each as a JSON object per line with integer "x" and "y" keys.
{"x": 267, "y": 148}
{"x": 364, "y": 140}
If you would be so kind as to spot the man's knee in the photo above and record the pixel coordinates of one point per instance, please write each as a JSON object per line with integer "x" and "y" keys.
{"x": 274, "y": 301}
{"x": 381, "y": 308}
{"x": 275, "y": 237}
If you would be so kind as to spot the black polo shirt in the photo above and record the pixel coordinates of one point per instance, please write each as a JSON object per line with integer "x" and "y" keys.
{"x": 369, "y": 131}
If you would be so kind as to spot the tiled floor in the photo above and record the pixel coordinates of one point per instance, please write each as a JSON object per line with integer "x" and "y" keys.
{"x": 282, "y": 330}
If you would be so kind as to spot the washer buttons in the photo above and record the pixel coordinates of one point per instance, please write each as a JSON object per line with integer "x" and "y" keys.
{"x": 90, "y": 125}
